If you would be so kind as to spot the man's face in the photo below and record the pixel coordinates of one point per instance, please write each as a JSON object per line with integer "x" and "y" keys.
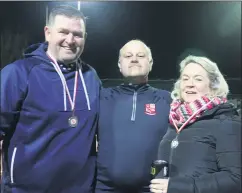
{"x": 66, "y": 38}
{"x": 134, "y": 60}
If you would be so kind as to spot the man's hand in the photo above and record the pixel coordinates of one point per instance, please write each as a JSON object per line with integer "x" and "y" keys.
{"x": 159, "y": 185}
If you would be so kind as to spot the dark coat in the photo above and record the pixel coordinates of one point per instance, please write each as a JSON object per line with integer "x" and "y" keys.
{"x": 208, "y": 157}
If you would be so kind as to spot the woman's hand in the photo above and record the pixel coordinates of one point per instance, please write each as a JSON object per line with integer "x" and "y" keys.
{"x": 159, "y": 185}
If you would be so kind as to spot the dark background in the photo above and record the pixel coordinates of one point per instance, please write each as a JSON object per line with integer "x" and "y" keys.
{"x": 168, "y": 28}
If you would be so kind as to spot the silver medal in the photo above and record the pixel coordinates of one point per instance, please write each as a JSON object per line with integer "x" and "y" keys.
{"x": 73, "y": 121}
{"x": 174, "y": 143}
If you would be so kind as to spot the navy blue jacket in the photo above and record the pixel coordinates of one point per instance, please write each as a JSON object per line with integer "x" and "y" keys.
{"x": 133, "y": 120}
{"x": 42, "y": 153}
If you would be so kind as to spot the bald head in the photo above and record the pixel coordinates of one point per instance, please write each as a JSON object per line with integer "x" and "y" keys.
{"x": 133, "y": 44}
{"x": 135, "y": 59}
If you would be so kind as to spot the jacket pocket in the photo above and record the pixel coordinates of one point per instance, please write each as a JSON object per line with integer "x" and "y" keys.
{"x": 12, "y": 164}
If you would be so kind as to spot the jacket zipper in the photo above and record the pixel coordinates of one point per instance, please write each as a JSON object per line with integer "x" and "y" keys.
{"x": 171, "y": 155}
{"x": 12, "y": 164}
{"x": 134, "y": 106}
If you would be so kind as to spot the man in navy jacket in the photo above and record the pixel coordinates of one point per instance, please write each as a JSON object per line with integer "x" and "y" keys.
{"x": 49, "y": 109}
{"x": 133, "y": 119}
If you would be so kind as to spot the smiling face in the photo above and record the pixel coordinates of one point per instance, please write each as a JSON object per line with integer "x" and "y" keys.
{"x": 194, "y": 82}
{"x": 66, "y": 38}
{"x": 134, "y": 60}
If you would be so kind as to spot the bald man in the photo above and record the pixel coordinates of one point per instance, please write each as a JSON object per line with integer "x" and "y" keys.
{"x": 133, "y": 120}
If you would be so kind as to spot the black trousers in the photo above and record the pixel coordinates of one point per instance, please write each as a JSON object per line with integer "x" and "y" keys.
{"x": 108, "y": 188}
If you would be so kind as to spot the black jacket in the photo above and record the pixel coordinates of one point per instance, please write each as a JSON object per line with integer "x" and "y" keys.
{"x": 208, "y": 157}
{"x": 133, "y": 120}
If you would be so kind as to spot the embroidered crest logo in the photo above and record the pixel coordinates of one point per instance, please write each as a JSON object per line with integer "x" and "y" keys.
{"x": 150, "y": 109}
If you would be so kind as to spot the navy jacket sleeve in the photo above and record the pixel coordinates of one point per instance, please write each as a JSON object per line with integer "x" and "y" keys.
{"x": 13, "y": 90}
{"x": 228, "y": 153}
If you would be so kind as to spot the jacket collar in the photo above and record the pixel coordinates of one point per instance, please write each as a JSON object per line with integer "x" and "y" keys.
{"x": 131, "y": 88}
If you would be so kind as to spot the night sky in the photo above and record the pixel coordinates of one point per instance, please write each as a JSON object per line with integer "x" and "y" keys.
{"x": 168, "y": 28}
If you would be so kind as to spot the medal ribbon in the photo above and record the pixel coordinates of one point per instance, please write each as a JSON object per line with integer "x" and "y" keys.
{"x": 64, "y": 84}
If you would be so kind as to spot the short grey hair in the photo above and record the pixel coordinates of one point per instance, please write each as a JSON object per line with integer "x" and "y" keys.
{"x": 218, "y": 84}
{"x": 67, "y": 11}
{"x": 146, "y": 47}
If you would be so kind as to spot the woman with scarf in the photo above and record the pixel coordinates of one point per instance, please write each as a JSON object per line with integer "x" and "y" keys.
{"x": 203, "y": 142}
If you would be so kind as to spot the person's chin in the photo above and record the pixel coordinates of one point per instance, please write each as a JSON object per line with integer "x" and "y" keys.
{"x": 68, "y": 53}
{"x": 69, "y": 57}
{"x": 190, "y": 99}
{"x": 136, "y": 74}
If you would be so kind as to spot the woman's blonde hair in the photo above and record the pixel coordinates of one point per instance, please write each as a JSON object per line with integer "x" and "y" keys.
{"x": 218, "y": 85}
